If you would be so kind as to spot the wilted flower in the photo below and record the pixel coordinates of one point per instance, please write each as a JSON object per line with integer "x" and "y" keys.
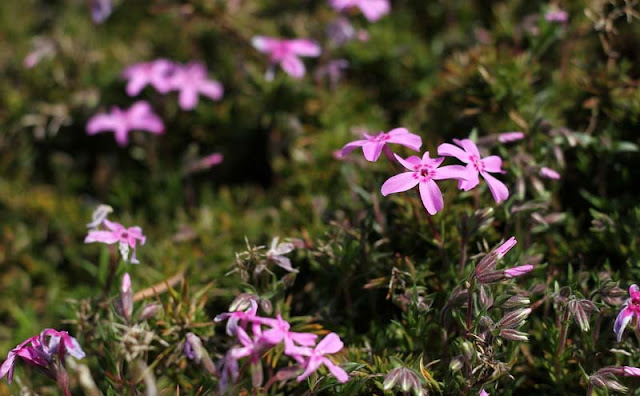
{"x": 581, "y": 311}
{"x": 549, "y": 173}
{"x": 424, "y": 172}
{"x": 630, "y": 309}
{"x": 477, "y": 165}
{"x": 340, "y": 30}
{"x": 330, "y": 344}
{"x": 286, "y": 53}
{"x": 405, "y": 379}
{"x": 192, "y": 80}
{"x": 373, "y": 145}
{"x": 276, "y": 254}
{"x": 126, "y": 237}
{"x": 157, "y": 73}
{"x": 140, "y": 116}
{"x": 99, "y": 215}
{"x": 371, "y": 9}
{"x": 40, "y": 351}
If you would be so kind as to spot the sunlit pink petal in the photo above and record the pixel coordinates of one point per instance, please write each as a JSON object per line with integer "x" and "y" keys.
{"x": 398, "y": 183}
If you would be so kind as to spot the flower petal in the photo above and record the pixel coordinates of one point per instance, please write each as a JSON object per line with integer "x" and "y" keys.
{"x": 404, "y": 137}
{"x": 623, "y": 319}
{"x": 372, "y": 150}
{"x": 398, "y": 183}
{"x": 452, "y": 172}
{"x": 470, "y": 147}
{"x": 412, "y": 163}
{"x": 499, "y": 191}
{"x": 211, "y": 89}
{"x": 492, "y": 164}
{"x": 304, "y": 47}
{"x": 450, "y": 150}
{"x": 336, "y": 370}
{"x": 431, "y": 197}
{"x": 293, "y": 66}
{"x": 331, "y": 343}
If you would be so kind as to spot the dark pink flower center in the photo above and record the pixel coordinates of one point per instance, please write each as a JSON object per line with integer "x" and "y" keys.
{"x": 477, "y": 163}
{"x": 381, "y": 137}
{"x": 424, "y": 172}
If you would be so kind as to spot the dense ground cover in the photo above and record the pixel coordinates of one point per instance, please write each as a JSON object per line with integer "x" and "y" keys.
{"x": 423, "y": 302}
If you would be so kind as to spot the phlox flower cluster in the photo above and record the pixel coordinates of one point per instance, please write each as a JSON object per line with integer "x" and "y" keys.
{"x": 286, "y": 54}
{"x": 256, "y": 335}
{"x": 40, "y": 351}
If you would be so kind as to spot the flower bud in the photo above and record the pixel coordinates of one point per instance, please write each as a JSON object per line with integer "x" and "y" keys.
{"x": 150, "y": 310}
{"x": 193, "y": 347}
{"x": 517, "y": 301}
{"x": 405, "y": 379}
{"x": 491, "y": 277}
{"x": 505, "y": 247}
{"x": 124, "y": 306}
{"x": 514, "y": 335}
{"x": 518, "y": 271}
{"x": 513, "y": 319}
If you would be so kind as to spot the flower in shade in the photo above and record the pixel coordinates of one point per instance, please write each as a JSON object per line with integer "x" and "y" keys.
{"x": 556, "y": 16}
{"x": 286, "y": 53}
{"x": 477, "y": 165}
{"x": 518, "y": 271}
{"x": 507, "y": 137}
{"x": 156, "y": 73}
{"x": 549, "y": 173}
{"x": 315, "y": 358}
{"x": 630, "y": 309}
{"x": 371, "y": 9}
{"x": 127, "y": 238}
{"x": 40, "y": 350}
{"x": 423, "y": 173}
{"x": 276, "y": 254}
{"x": 192, "y": 80}
{"x": 239, "y": 318}
{"x": 373, "y": 145}
{"x": 139, "y": 116}
{"x": 100, "y": 10}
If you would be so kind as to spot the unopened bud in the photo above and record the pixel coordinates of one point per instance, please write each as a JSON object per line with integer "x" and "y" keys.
{"x": 193, "y": 347}
{"x": 513, "y": 319}
{"x": 456, "y": 364}
{"x": 124, "y": 306}
{"x": 486, "y": 264}
{"x": 150, "y": 310}
{"x": 518, "y": 271}
{"x": 491, "y": 277}
{"x": 505, "y": 247}
{"x": 518, "y": 301}
{"x": 486, "y": 299}
{"x": 514, "y": 335}
{"x": 242, "y": 302}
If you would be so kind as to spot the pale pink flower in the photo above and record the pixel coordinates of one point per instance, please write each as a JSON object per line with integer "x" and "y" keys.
{"x": 192, "y": 80}
{"x": 40, "y": 350}
{"x": 630, "y": 310}
{"x": 477, "y": 165}
{"x": 286, "y": 53}
{"x": 373, "y": 145}
{"x": 276, "y": 254}
{"x": 156, "y": 73}
{"x": 140, "y": 116}
{"x": 556, "y": 16}
{"x": 549, "y": 173}
{"x": 424, "y": 172}
{"x": 117, "y": 233}
{"x": 507, "y": 137}
{"x": 371, "y": 9}
{"x": 316, "y": 357}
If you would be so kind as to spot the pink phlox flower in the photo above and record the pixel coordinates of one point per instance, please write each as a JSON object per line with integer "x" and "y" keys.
{"x": 286, "y": 53}
{"x": 507, "y": 137}
{"x": 315, "y": 357}
{"x": 279, "y": 332}
{"x": 630, "y": 309}
{"x": 518, "y": 271}
{"x": 373, "y": 145}
{"x": 277, "y": 251}
{"x": 192, "y": 80}
{"x": 38, "y": 351}
{"x": 116, "y": 232}
{"x": 156, "y": 73}
{"x": 239, "y": 319}
{"x": 371, "y": 9}
{"x": 424, "y": 172}
{"x": 549, "y": 173}
{"x": 139, "y": 116}
{"x": 477, "y": 165}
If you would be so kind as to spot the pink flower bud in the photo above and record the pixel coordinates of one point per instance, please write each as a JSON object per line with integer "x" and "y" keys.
{"x": 518, "y": 271}
{"x": 505, "y": 247}
{"x": 549, "y": 173}
{"x": 507, "y": 137}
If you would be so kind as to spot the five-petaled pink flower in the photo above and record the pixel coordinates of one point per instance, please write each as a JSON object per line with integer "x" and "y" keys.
{"x": 192, "y": 80}
{"x": 127, "y": 238}
{"x": 286, "y": 53}
{"x": 424, "y": 172}
{"x": 631, "y": 308}
{"x": 40, "y": 351}
{"x": 372, "y": 9}
{"x": 477, "y": 165}
{"x": 373, "y": 145}
{"x": 315, "y": 358}
{"x": 157, "y": 73}
{"x": 140, "y": 116}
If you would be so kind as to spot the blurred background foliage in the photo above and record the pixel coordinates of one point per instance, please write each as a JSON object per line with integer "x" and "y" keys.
{"x": 440, "y": 68}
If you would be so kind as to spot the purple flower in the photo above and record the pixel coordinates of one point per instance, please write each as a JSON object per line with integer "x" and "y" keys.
{"x": 286, "y": 53}
{"x": 477, "y": 166}
{"x": 556, "y": 16}
{"x": 630, "y": 309}
{"x": 241, "y": 317}
{"x": 140, "y": 116}
{"x": 157, "y": 73}
{"x": 507, "y": 137}
{"x": 126, "y": 237}
{"x": 373, "y": 145}
{"x": 191, "y": 80}
{"x": 424, "y": 172}
{"x": 38, "y": 351}
{"x": 279, "y": 332}
{"x": 315, "y": 358}
{"x": 100, "y": 10}
{"x": 193, "y": 347}
{"x": 251, "y": 348}
{"x": 372, "y": 9}
{"x": 549, "y": 173}
{"x": 518, "y": 271}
